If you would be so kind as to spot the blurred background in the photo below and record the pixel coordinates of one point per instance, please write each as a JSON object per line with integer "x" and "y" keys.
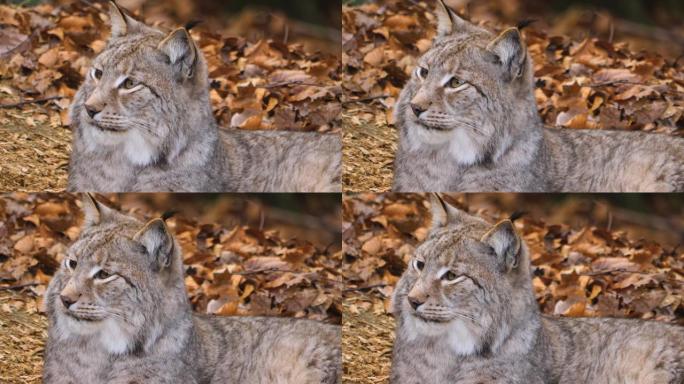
{"x": 315, "y": 23}
{"x": 312, "y": 217}
{"x": 657, "y": 217}
{"x": 653, "y": 25}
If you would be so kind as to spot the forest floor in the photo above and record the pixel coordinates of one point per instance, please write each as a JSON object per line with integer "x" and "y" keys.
{"x": 34, "y": 152}
{"x": 367, "y": 338}
{"x": 22, "y": 337}
{"x": 368, "y": 156}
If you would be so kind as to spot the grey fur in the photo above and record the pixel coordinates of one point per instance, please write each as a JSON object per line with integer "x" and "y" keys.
{"x": 486, "y": 328}
{"x": 139, "y": 327}
{"x": 488, "y": 136}
{"x": 162, "y": 136}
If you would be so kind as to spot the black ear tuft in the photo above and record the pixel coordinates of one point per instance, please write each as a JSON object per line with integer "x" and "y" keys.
{"x": 192, "y": 24}
{"x": 516, "y": 215}
{"x": 449, "y": 22}
{"x": 444, "y": 213}
{"x": 94, "y": 212}
{"x": 525, "y": 23}
{"x": 168, "y": 214}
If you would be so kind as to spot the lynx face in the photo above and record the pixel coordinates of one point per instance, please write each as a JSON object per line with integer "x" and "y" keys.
{"x": 460, "y": 283}
{"x": 134, "y": 93}
{"x": 113, "y": 280}
{"x": 464, "y": 89}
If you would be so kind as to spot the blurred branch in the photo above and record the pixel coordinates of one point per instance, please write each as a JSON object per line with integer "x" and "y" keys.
{"x": 25, "y": 102}
{"x": 648, "y": 31}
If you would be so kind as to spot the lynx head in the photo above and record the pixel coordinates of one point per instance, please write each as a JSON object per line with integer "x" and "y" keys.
{"x": 468, "y": 91}
{"x": 466, "y": 284}
{"x": 118, "y": 283}
{"x": 141, "y": 94}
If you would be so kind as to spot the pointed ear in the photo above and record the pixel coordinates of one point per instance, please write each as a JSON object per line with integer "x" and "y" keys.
{"x": 444, "y": 213}
{"x": 93, "y": 211}
{"x": 448, "y": 21}
{"x": 158, "y": 242}
{"x": 511, "y": 53}
{"x": 122, "y": 24}
{"x": 506, "y": 244}
{"x": 181, "y": 51}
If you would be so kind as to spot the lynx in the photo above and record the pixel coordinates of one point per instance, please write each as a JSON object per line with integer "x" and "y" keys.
{"x": 468, "y": 121}
{"x": 118, "y": 313}
{"x": 142, "y": 121}
{"x": 466, "y": 313}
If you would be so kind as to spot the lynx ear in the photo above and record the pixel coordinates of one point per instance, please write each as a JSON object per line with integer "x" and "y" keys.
{"x": 448, "y": 21}
{"x": 444, "y": 213}
{"x": 506, "y": 244}
{"x": 93, "y": 211}
{"x": 122, "y": 24}
{"x": 511, "y": 53}
{"x": 181, "y": 51}
{"x": 158, "y": 242}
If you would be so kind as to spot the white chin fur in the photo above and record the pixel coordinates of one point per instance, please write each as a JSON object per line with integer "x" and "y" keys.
{"x": 463, "y": 149}
{"x": 68, "y": 326}
{"x": 420, "y": 135}
{"x": 135, "y": 147}
{"x": 95, "y": 138}
{"x": 458, "y": 337}
{"x": 138, "y": 150}
{"x": 113, "y": 338}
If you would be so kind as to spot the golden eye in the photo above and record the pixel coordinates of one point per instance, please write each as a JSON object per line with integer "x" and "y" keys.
{"x": 102, "y": 274}
{"x": 71, "y": 263}
{"x": 450, "y": 276}
{"x": 422, "y": 72}
{"x": 129, "y": 83}
{"x": 419, "y": 265}
{"x": 455, "y": 82}
{"x": 97, "y": 73}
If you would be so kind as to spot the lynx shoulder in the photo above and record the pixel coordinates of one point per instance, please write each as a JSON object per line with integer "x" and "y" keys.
{"x": 118, "y": 313}
{"x": 468, "y": 121}
{"x": 466, "y": 312}
{"x": 142, "y": 121}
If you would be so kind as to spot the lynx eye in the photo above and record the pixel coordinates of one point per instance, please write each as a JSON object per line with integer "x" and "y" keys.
{"x": 452, "y": 277}
{"x": 129, "y": 83}
{"x": 102, "y": 275}
{"x": 96, "y": 73}
{"x": 418, "y": 264}
{"x": 421, "y": 72}
{"x": 455, "y": 82}
{"x": 71, "y": 264}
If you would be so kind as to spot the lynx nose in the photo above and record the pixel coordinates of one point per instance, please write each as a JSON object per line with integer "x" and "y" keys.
{"x": 415, "y": 303}
{"x": 67, "y": 301}
{"x": 417, "y": 110}
{"x": 92, "y": 110}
